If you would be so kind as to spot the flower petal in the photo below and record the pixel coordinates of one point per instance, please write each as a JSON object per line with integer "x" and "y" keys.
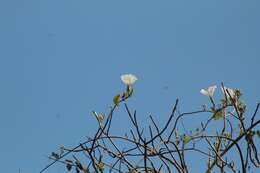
{"x": 204, "y": 92}
{"x": 128, "y": 79}
{"x": 211, "y": 90}
{"x": 229, "y": 92}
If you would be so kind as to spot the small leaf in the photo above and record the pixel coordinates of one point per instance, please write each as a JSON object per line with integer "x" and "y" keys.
{"x": 185, "y": 138}
{"x": 176, "y": 133}
{"x": 77, "y": 170}
{"x": 70, "y": 161}
{"x": 217, "y": 115}
{"x": 79, "y": 165}
{"x": 116, "y": 99}
{"x": 68, "y": 166}
{"x": 101, "y": 167}
{"x": 253, "y": 133}
{"x": 177, "y": 142}
{"x": 55, "y": 155}
{"x": 228, "y": 135}
{"x": 258, "y": 133}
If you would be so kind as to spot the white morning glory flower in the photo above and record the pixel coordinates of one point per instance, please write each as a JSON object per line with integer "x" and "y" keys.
{"x": 128, "y": 79}
{"x": 231, "y": 92}
{"x": 209, "y": 91}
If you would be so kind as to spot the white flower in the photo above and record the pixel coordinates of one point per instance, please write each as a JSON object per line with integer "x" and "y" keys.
{"x": 229, "y": 92}
{"x": 128, "y": 79}
{"x": 209, "y": 91}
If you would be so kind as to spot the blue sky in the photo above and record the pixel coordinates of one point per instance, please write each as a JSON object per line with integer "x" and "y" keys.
{"x": 61, "y": 59}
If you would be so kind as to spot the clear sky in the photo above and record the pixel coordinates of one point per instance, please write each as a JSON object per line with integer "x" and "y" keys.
{"x": 61, "y": 59}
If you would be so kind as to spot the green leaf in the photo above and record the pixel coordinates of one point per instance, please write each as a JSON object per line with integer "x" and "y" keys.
{"x": 185, "y": 138}
{"x": 177, "y": 142}
{"x": 101, "y": 166}
{"x": 228, "y": 135}
{"x": 238, "y": 93}
{"x": 116, "y": 99}
{"x": 217, "y": 115}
